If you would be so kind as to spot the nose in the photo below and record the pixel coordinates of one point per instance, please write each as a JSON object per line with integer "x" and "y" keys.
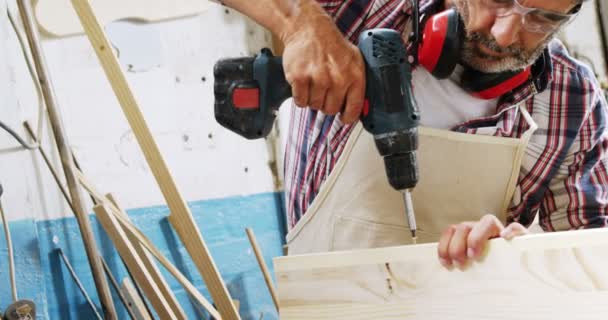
{"x": 506, "y": 30}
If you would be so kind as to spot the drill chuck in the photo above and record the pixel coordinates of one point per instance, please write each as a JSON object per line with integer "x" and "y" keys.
{"x": 401, "y": 170}
{"x": 398, "y": 149}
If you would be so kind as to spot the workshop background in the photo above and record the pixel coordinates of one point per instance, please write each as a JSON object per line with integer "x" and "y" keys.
{"x": 230, "y": 183}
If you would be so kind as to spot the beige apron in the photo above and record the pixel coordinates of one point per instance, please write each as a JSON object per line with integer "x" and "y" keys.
{"x": 462, "y": 178}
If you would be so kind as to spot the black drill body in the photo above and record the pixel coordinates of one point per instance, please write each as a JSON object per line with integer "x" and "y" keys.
{"x": 249, "y": 92}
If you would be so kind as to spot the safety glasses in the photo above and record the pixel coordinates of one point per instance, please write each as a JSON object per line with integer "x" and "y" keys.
{"x": 532, "y": 19}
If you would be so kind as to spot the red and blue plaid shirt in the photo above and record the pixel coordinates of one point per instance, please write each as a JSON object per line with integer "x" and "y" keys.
{"x": 563, "y": 174}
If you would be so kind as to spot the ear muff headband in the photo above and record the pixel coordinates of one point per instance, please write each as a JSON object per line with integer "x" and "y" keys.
{"x": 439, "y": 51}
{"x": 493, "y": 85}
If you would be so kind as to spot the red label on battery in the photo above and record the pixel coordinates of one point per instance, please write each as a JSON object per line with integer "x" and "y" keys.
{"x": 246, "y": 98}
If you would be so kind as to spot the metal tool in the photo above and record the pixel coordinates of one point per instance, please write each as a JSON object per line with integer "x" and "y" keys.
{"x": 249, "y": 91}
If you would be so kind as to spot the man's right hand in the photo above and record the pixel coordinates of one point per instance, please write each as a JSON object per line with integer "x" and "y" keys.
{"x": 326, "y": 71}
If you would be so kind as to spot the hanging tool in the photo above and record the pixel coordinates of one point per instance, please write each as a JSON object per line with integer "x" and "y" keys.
{"x": 250, "y": 90}
{"x": 63, "y": 146}
{"x": 19, "y": 309}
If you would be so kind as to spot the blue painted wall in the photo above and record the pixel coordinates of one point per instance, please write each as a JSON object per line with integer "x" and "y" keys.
{"x": 43, "y": 278}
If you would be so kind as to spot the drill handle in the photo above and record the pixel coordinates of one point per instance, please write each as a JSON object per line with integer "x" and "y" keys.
{"x": 248, "y": 93}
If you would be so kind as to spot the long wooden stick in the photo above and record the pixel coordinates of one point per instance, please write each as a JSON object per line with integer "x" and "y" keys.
{"x": 180, "y": 217}
{"x": 134, "y": 263}
{"x": 103, "y": 289}
{"x": 130, "y": 229}
{"x": 149, "y": 264}
{"x": 263, "y": 267}
{"x": 64, "y": 192}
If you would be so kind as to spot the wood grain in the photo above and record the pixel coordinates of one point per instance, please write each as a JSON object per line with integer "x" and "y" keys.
{"x": 180, "y": 218}
{"x": 134, "y": 262}
{"x": 545, "y": 276}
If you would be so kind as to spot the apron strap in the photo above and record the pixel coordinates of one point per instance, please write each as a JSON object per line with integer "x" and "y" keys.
{"x": 521, "y": 149}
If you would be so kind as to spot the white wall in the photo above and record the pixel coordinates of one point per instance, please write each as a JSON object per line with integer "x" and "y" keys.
{"x": 171, "y": 57}
{"x": 582, "y": 37}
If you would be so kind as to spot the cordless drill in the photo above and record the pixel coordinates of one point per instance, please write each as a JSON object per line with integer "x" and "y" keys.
{"x": 250, "y": 90}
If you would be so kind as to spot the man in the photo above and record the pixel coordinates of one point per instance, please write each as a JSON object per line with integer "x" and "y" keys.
{"x": 335, "y": 199}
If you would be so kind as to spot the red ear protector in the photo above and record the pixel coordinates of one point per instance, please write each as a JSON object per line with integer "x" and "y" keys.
{"x": 438, "y": 49}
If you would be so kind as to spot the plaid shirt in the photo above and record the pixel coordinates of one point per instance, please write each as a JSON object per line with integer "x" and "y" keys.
{"x": 563, "y": 174}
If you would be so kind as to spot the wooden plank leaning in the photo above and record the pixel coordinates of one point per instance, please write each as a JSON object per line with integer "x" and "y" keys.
{"x": 180, "y": 218}
{"x": 134, "y": 262}
{"x": 150, "y": 265}
{"x": 538, "y": 276}
{"x": 132, "y": 230}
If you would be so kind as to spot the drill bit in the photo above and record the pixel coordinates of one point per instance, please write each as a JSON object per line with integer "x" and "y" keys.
{"x": 409, "y": 213}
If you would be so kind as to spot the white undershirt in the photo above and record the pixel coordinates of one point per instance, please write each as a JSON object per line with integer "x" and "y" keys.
{"x": 443, "y": 103}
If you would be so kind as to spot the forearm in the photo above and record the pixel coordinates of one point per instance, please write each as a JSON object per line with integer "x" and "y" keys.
{"x": 281, "y": 17}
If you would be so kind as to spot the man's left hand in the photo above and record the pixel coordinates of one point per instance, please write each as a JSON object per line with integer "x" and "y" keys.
{"x": 464, "y": 241}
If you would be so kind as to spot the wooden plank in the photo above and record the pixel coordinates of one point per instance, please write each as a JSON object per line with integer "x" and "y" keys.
{"x": 180, "y": 218}
{"x": 134, "y": 300}
{"x": 134, "y": 262}
{"x": 260, "y": 258}
{"x": 542, "y": 276}
{"x": 131, "y": 230}
{"x": 57, "y": 18}
{"x": 150, "y": 265}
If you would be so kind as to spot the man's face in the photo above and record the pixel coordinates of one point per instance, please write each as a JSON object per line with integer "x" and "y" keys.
{"x": 496, "y": 44}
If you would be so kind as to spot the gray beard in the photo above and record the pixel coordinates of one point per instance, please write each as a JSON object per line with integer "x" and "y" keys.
{"x": 516, "y": 58}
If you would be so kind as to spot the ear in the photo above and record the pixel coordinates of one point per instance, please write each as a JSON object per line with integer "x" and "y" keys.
{"x": 441, "y": 43}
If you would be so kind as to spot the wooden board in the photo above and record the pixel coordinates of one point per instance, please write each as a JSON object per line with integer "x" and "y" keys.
{"x": 181, "y": 218}
{"x": 545, "y": 276}
{"x": 57, "y": 17}
{"x": 151, "y": 267}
